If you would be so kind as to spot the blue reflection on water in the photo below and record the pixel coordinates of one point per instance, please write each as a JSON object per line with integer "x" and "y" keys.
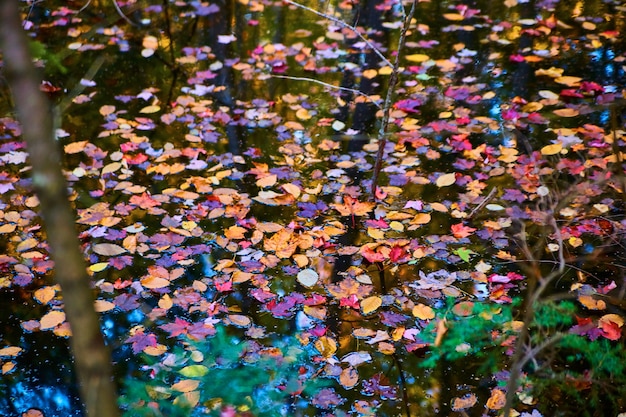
{"x": 22, "y": 396}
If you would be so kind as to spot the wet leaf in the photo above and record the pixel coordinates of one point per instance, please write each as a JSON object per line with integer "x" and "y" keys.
{"x": 52, "y": 319}
{"x": 371, "y": 304}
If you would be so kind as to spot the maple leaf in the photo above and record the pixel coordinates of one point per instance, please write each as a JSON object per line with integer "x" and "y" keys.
{"x": 353, "y": 207}
{"x": 177, "y": 328}
{"x": 141, "y": 340}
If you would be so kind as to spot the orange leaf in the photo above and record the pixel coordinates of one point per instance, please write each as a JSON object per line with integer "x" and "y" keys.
{"x": 353, "y": 207}
{"x": 154, "y": 282}
{"x": 45, "y": 294}
{"x": 423, "y": 312}
{"x": 349, "y": 377}
{"x": 497, "y": 399}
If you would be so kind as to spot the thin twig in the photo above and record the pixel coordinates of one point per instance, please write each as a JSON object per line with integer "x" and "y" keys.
{"x": 483, "y": 203}
{"x": 393, "y": 80}
{"x": 122, "y": 15}
{"x": 345, "y": 25}
{"x": 403, "y": 387}
{"x": 335, "y": 87}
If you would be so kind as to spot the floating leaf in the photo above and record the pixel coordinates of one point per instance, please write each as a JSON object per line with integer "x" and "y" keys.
{"x": 153, "y": 282}
{"x": 417, "y": 58}
{"x": 349, "y": 377}
{"x": 567, "y": 112}
{"x": 10, "y": 351}
{"x": 52, "y": 319}
{"x": 446, "y": 180}
{"x": 45, "y": 294}
{"x": 551, "y": 149}
{"x": 461, "y": 403}
{"x": 97, "y": 267}
{"x": 194, "y": 371}
{"x": 102, "y": 305}
{"x": 150, "y": 109}
{"x": 308, "y": 277}
{"x": 497, "y": 399}
{"x": 327, "y": 346}
{"x": 371, "y": 304}
{"x": 108, "y": 249}
{"x": 423, "y": 312}
{"x": 186, "y": 385}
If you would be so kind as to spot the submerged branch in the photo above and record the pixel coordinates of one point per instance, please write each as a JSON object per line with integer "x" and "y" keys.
{"x": 345, "y": 25}
{"x": 335, "y": 87}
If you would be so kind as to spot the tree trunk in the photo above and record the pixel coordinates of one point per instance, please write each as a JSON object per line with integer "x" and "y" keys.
{"x": 91, "y": 357}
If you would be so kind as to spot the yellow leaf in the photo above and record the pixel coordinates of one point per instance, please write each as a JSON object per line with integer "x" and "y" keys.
{"x": 446, "y": 180}
{"x": 303, "y": 114}
{"x": 417, "y": 58}
{"x": 326, "y": 346}
{"x": 75, "y": 147}
{"x": 371, "y": 304}
{"x": 52, "y": 319}
{"x": 397, "y": 226}
{"x": 453, "y": 16}
{"x": 150, "y": 109}
{"x": 375, "y": 233}
{"x": 385, "y": 70}
{"x": 551, "y": 149}
{"x": 112, "y": 167}
{"x": 27, "y": 244}
{"x": 423, "y": 312}
{"x": 568, "y": 80}
{"x": 370, "y": 73}
{"x": 100, "y": 266}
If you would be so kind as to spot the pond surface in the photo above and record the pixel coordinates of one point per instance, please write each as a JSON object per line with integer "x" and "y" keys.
{"x": 221, "y": 158}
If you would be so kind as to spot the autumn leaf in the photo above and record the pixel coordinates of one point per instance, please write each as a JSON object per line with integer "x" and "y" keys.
{"x": 371, "y": 304}
{"x": 446, "y": 180}
{"x": 353, "y": 207}
{"x": 52, "y": 319}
